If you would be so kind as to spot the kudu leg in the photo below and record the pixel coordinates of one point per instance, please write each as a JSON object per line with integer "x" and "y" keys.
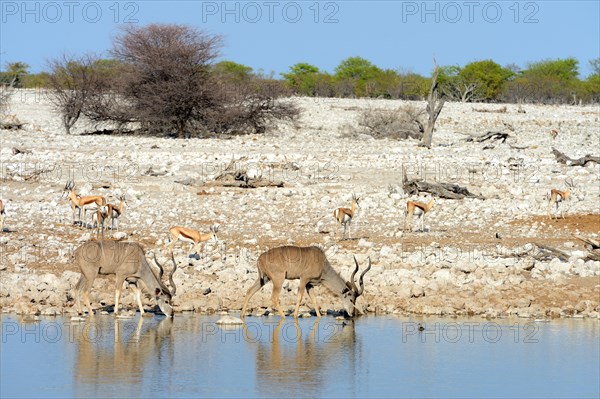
{"x": 138, "y": 297}
{"x": 313, "y": 298}
{"x": 78, "y": 288}
{"x": 301, "y": 288}
{"x": 275, "y": 296}
{"x": 119, "y": 280}
{"x": 250, "y": 293}
{"x": 86, "y": 297}
{"x": 85, "y": 284}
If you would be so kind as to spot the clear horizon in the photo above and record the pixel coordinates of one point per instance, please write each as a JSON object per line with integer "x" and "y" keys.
{"x": 271, "y": 36}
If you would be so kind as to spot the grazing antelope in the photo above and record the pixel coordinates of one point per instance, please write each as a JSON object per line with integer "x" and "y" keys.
{"x": 556, "y": 196}
{"x": 2, "y": 215}
{"x": 98, "y": 219}
{"x": 80, "y": 202}
{"x": 310, "y": 265}
{"x": 344, "y": 216}
{"x": 115, "y": 212}
{"x": 194, "y": 237}
{"x": 127, "y": 261}
{"x": 418, "y": 209}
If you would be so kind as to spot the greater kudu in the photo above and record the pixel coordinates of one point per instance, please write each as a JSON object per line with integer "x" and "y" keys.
{"x": 310, "y": 265}
{"x": 127, "y": 261}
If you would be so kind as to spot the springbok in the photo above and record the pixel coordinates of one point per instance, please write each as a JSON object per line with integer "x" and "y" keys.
{"x": 344, "y": 216}
{"x": 556, "y": 196}
{"x": 115, "y": 212}
{"x": 194, "y": 237}
{"x": 98, "y": 219}
{"x": 80, "y": 202}
{"x": 418, "y": 209}
{"x": 310, "y": 265}
{"x": 127, "y": 261}
{"x": 2, "y": 215}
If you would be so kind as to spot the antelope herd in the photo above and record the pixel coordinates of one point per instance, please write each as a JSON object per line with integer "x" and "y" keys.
{"x": 127, "y": 260}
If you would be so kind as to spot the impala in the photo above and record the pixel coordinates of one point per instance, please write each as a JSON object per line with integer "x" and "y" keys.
{"x": 194, "y": 237}
{"x": 557, "y": 196}
{"x": 311, "y": 267}
{"x": 344, "y": 216}
{"x": 418, "y": 209}
{"x": 79, "y": 202}
{"x": 127, "y": 261}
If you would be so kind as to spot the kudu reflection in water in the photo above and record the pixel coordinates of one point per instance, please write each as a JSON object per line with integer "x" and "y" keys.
{"x": 295, "y": 361}
{"x": 137, "y": 344}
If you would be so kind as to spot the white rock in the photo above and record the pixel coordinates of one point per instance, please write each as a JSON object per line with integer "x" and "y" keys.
{"x": 230, "y": 320}
{"x": 365, "y": 244}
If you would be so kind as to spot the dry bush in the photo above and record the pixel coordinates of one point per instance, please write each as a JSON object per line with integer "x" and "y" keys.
{"x": 399, "y": 124}
{"x": 162, "y": 80}
{"x": 72, "y": 82}
{"x": 252, "y": 106}
{"x": 165, "y": 75}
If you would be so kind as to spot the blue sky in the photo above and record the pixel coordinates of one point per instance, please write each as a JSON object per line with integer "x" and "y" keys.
{"x": 273, "y": 35}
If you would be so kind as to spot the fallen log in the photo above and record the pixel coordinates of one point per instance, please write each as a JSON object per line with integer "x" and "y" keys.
{"x": 583, "y": 161}
{"x": 250, "y": 183}
{"x": 233, "y": 177}
{"x": 593, "y": 243}
{"x": 440, "y": 190}
{"x": 16, "y": 151}
{"x": 593, "y": 247}
{"x": 489, "y": 136}
{"x": 546, "y": 253}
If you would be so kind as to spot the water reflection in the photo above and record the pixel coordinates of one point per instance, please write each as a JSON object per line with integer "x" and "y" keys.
{"x": 123, "y": 352}
{"x": 192, "y": 356}
{"x": 300, "y": 358}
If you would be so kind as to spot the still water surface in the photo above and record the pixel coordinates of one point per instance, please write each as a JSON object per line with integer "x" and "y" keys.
{"x": 191, "y": 356}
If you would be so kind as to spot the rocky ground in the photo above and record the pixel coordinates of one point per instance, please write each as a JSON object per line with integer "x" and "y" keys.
{"x": 475, "y": 256}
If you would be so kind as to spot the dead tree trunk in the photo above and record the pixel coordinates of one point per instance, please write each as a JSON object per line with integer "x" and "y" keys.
{"x": 440, "y": 190}
{"x": 562, "y": 158}
{"x": 434, "y": 107}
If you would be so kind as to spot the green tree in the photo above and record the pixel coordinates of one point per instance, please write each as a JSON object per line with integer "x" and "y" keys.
{"x": 387, "y": 85}
{"x": 595, "y": 64}
{"x": 303, "y": 78}
{"x": 452, "y": 85}
{"x": 35, "y": 80}
{"x": 565, "y": 70}
{"x": 414, "y": 86}
{"x": 15, "y": 71}
{"x": 590, "y": 88}
{"x": 233, "y": 71}
{"x": 488, "y": 76}
{"x": 355, "y": 73}
{"x": 552, "y": 80}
